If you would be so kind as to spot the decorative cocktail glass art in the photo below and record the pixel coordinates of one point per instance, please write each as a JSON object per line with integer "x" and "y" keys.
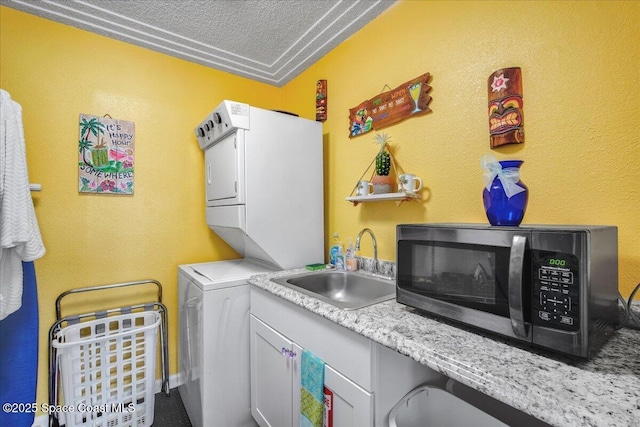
{"x": 414, "y": 92}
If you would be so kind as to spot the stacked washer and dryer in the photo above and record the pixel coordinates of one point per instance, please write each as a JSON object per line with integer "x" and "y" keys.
{"x": 264, "y": 197}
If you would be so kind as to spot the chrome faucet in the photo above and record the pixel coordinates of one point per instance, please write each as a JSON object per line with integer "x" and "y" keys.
{"x": 375, "y": 246}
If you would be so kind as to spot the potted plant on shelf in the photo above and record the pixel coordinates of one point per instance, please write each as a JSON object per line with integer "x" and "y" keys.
{"x": 382, "y": 181}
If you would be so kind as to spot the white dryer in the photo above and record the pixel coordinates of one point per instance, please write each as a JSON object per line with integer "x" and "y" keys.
{"x": 213, "y": 352}
{"x": 264, "y": 183}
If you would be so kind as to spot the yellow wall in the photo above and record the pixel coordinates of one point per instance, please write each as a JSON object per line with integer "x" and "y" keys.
{"x": 57, "y": 72}
{"x": 580, "y": 64}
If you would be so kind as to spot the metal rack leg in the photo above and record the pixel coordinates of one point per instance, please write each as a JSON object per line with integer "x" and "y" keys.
{"x": 165, "y": 355}
{"x": 53, "y": 377}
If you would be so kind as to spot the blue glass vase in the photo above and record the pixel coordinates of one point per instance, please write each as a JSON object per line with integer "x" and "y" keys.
{"x": 503, "y": 210}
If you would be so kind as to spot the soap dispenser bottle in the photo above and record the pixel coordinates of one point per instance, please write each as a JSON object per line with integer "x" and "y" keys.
{"x": 352, "y": 262}
{"x": 336, "y": 248}
{"x": 340, "y": 261}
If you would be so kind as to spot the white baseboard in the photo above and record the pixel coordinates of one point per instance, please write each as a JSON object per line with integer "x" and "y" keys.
{"x": 175, "y": 380}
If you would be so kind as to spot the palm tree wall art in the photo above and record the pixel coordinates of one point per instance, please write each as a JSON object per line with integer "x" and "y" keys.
{"x": 106, "y": 152}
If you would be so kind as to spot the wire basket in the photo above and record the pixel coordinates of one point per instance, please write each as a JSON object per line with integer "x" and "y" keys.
{"x": 107, "y": 370}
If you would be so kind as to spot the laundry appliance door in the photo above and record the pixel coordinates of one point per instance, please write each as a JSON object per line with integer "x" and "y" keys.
{"x": 224, "y": 170}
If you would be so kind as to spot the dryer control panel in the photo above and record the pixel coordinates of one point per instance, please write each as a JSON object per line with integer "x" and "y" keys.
{"x": 227, "y": 117}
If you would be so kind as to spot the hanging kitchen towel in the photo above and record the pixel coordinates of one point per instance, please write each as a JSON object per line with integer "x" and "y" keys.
{"x": 311, "y": 390}
{"x": 19, "y": 356}
{"x": 20, "y": 238}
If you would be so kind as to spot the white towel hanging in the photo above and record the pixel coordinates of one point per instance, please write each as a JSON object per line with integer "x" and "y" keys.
{"x": 20, "y": 238}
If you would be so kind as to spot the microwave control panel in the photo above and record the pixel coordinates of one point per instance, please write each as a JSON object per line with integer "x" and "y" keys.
{"x": 556, "y": 290}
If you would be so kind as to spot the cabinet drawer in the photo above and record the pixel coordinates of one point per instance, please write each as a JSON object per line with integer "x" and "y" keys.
{"x": 346, "y": 351}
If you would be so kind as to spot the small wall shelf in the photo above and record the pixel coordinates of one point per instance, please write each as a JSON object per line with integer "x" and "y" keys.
{"x": 397, "y": 197}
{"x": 394, "y": 168}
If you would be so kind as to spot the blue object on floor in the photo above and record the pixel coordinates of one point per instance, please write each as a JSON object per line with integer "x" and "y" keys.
{"x": 19, "y": 356}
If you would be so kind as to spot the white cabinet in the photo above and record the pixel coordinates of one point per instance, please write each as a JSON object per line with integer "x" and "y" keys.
{"x": 275, "y": 384}
{"x": 273, "y": 361}
{"x": 350, "y": 404}
{"x": 366, "y": 379}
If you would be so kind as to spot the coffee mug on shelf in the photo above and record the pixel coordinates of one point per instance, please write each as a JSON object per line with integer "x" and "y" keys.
{"x": 365, "y": 188}
{"x": 410, "y": 183}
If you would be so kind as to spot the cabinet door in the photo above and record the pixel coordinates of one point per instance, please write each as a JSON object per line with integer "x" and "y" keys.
{"x": 295, "y": 404}
{"x": 350, "y": 404}
{"x": 272, "y": 365}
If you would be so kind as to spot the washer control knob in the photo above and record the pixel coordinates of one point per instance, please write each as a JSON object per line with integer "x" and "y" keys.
{"x": 200, "y": 132}
{"x": 210, "y": 123}
{"x": 217, "y": 118}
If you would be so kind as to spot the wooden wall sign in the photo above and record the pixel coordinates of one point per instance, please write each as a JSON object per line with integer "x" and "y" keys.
{"x": 321, "y": 101}
{"x": 106, "y": 151}
{"x": 410, "y": 99}
{"x": 506, "y": 119}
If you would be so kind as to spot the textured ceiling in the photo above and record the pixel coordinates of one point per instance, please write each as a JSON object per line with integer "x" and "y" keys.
{"x": 266, "y": 40}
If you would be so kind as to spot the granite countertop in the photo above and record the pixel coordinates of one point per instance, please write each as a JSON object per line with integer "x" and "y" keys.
{"x": 604, "y": 391}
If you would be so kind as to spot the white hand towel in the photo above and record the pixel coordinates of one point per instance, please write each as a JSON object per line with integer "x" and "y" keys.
{"x": 20, "y": 238}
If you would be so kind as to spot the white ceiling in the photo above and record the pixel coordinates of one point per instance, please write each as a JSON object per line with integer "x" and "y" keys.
{"x": 271, "y": 41}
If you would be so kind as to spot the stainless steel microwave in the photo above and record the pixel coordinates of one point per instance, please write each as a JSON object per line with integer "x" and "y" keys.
{"x": 553, "y": 286}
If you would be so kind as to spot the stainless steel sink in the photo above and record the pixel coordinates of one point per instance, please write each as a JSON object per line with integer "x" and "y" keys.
{"x": 346, "y": 290}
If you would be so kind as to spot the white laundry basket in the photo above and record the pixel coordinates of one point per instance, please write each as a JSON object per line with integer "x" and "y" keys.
{"x": 429, "y": 406}
{"x": 107, "y": 370}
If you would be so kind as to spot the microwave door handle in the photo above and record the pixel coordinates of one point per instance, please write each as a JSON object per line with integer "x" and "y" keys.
{"x": 516, "y": 263}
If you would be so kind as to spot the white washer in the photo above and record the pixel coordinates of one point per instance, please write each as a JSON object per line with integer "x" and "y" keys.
{"x": 213, "y": 351}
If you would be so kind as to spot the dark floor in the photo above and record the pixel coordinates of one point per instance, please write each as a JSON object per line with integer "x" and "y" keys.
{"x": 169, "y": 411}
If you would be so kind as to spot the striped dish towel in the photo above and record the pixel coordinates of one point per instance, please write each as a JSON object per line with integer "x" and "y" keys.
{"x": 311, "y": 390}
